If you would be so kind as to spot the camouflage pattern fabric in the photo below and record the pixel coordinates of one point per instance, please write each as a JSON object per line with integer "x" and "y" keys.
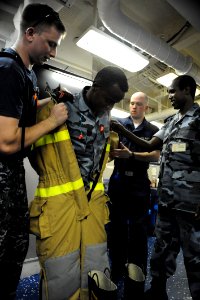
{"x": 175, "y": 229}
{"x": 179, "y": 184}
{"x": 178, "y": 222}
{"x": 88, "y": 134}
{"x": 14, "y": 224}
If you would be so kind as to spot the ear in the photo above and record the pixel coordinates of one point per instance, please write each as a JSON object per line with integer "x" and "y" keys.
{"x": 30, "y": 33}
{"x": 95, "y": 87}
{"x": 187, "y": 90}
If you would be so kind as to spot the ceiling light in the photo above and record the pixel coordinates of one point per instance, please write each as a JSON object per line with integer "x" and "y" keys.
{"x": 119, "y": 113}
{"x": 70, "y": 80}
{"x": 156, "y": 123}
{"x": 197, "y": 92}
{"x": 167, "y": 79}
{"x": 112, "y": 50}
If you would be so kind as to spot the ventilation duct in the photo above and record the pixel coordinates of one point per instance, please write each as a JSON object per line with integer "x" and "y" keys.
{"x": 189, "y": 10}
{"x": 125, "y": 28}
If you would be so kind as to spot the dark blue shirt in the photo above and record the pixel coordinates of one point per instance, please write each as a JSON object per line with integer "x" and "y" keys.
{"x": 17, "y": 86}
{"x": 145, "y": 130}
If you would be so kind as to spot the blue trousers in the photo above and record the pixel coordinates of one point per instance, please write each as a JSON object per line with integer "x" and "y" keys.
{"x": 177, "y": 230}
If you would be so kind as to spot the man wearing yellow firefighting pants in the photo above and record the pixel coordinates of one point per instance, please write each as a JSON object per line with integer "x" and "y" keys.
{"x": 67, "y": 218}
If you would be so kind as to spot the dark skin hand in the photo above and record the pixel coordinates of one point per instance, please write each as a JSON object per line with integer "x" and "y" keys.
{"x": 153, "y": 144}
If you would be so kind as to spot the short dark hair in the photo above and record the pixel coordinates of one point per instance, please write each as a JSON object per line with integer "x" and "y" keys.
{"x": 108, "y": 76}
{"x": 184, "y": 81}
{"x": 36, "y": 14}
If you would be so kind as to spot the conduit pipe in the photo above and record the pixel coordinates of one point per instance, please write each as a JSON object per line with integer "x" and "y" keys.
{"x": 126, "y": 29}
{"x": 189, "y": 10}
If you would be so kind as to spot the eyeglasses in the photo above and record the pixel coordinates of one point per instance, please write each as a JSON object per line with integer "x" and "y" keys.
{"x": 50, "y": 18}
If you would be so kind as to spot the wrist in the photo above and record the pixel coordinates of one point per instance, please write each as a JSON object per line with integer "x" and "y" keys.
{"x": 51, "y": 122}
{"x": 132, "y": 155}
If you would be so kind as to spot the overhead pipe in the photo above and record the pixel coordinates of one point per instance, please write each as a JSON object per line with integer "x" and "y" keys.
{"x": 189, "y": 10}
{"x": 126, "y": 29}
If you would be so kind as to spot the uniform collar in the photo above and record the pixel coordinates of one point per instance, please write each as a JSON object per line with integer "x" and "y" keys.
{"x": 192, "y": 110}
{"x": 83, "y": 107}
{"x": 189, "y": 113}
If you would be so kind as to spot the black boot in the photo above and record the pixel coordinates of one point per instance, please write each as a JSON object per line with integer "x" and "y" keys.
{"x": 100, "y": 286}
{"x": 134, "y": 283}
{"x": 157, "y": 290}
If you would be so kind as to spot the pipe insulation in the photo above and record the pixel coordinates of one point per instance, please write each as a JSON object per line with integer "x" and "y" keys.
{"x": 126, "y": 29}
{"x": 189, "y": 10}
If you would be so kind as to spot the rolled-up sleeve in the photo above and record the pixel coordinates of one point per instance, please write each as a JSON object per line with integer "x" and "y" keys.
{"x": 160, "y": 134}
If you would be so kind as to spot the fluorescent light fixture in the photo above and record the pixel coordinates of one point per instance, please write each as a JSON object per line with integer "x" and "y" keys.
{"x": 158, "y": 124}
{"x": 112, "y": 50}
{"x": 197, "y": 92}
{"x": 119, "y": 113}
{"x": 167, "y": 79}
{"x": 70, "y": 80}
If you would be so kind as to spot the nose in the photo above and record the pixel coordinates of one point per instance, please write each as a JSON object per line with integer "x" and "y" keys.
{"x": 170, "y": 96}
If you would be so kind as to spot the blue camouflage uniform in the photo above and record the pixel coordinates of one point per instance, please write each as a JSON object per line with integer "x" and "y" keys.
{"x": 129, "y": 191}
{"x": 179, "y": 199}
{"x": 88, "y": 135}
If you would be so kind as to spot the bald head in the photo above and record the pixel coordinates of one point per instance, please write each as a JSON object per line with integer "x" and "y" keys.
{"x": 138, "y": 106}
{"x": 140, "y": 96}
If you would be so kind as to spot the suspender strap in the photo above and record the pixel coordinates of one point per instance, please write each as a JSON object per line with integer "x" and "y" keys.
{"x": 98, "y": 174}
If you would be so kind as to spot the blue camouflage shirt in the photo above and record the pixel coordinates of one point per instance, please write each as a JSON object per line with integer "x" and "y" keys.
{"x": 88, "y": 135}
{"x": 179, "y": 184}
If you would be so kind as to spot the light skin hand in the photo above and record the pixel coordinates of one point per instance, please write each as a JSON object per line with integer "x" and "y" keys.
{"x": 124, "y": 152}
{"x": 58, "y": 115}
{"x": 10, "y": 132}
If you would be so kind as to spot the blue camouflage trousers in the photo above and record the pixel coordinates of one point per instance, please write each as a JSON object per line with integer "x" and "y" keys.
{"x": 14, "y": 226}
{"x": 175, "y": 230}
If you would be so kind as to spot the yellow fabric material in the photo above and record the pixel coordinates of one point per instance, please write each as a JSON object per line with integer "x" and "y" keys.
{"x": 60, "y": 215}
{"x": 55, "y": 138}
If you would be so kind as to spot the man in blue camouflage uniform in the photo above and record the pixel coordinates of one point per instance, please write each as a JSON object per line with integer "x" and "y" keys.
{"x": 89, "y": 119}
{"x": 178, "y": 221}
{"x": 129, "y": 191}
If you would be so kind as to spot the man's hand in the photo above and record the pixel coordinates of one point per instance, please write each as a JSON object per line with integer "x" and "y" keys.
{"x": 59, "y": 115}
{"x": 124, "y": 152}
